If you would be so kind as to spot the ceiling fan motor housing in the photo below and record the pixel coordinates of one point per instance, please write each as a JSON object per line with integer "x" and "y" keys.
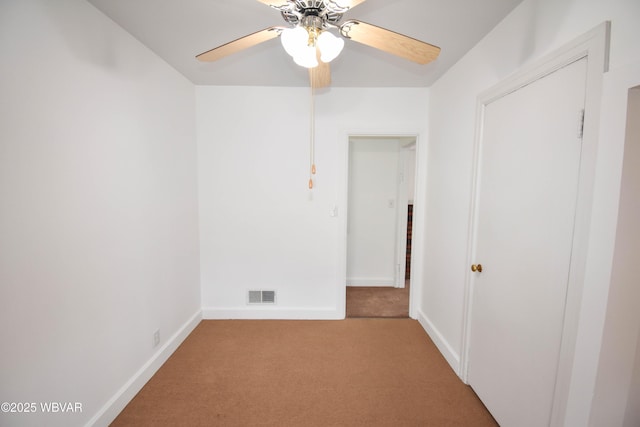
{"x": 326, "y": 13}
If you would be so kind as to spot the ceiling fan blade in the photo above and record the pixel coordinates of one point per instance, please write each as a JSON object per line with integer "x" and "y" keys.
{"x": 278, "y": 4}
{"x": 389, "y": 41}
{"x": 320, "y": 76}
{"x": 240, "y": 44}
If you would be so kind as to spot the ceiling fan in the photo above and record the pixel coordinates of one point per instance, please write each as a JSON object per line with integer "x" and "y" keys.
{"x": 310, "y": 42}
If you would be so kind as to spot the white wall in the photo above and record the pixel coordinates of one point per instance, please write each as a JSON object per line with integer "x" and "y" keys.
{"x": 410, "y": 174}
{"x": 533, "y": 29}
{"x": 98, "y": 210}
{"x": 259, "y": 228}
{"x": 373, "y": 198}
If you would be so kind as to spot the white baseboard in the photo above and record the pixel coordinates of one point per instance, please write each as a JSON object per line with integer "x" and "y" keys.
{"x": 447, "y": 351}
{"x": 272, "y": 313}
{"x": 371, "y": 281}
{"x": 117, "y": 403}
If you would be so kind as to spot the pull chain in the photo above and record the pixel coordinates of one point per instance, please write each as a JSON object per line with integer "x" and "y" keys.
{"x": 312, "y": 140}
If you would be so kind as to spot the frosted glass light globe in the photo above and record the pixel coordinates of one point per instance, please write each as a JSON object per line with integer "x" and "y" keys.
{"x": 306, "y": 57}
{"x": 330, "y": 46}
{"x": 294, "y": 40}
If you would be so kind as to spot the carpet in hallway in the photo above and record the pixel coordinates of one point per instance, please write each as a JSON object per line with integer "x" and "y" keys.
{"x": 377, "y": 301}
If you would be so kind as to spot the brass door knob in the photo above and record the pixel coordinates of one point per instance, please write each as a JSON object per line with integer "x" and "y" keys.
{"x": 477, "y": 268}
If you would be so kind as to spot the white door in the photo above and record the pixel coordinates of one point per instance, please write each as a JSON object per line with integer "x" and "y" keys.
{"x": 529, "y": 165}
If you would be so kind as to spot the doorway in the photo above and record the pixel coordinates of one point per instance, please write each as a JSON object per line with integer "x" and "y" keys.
{"x": 381, "y": 181}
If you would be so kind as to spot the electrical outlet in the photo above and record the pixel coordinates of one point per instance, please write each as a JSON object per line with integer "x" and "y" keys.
{"x": 156, "y": 338}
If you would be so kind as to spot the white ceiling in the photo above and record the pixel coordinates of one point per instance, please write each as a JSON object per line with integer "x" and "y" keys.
{"x": 179, "y": 30}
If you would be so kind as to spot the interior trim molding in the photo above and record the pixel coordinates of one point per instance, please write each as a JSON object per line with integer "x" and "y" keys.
{"x": 123, "y": 396}
{"x": 272, "y": 313}
{"x": 438, "y": 339}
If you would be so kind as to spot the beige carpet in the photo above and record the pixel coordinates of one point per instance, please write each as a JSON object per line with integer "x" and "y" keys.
{"x": 378, "y": 301}
{"x": 355, "y": 372}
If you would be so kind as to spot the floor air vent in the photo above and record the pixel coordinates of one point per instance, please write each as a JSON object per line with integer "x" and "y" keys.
{"x": 262, "y": 297}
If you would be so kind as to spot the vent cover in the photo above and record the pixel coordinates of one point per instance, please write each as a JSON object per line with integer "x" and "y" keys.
{"x": 261, "y": 297}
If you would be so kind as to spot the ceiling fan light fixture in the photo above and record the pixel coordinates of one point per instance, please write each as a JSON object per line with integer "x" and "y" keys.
{"x": 310, "y": 22}
{"x": 330, "y": 46}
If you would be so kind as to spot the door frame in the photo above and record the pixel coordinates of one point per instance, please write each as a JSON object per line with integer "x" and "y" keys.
{"x": 402, "y": 212}
{"x": 593, "y": 45}
{"x": 417, "y": 232}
